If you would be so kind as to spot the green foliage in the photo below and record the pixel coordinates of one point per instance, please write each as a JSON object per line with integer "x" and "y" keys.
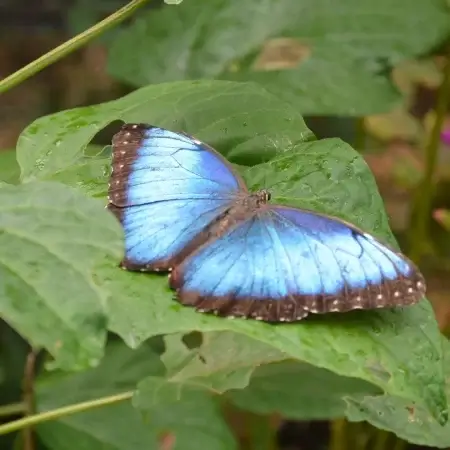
{"x": 51, "y": 236}
{"x": 383, "y": 350}
{"x": 61, "y": 288}
{"x": 300, "y": 391}
{"x": 349, "y": 44}
{"x": 168, "y": 405}
{"x": 117, "y": 427}
{"x": 209, "y": 110}
{"x": 411, "y": 421}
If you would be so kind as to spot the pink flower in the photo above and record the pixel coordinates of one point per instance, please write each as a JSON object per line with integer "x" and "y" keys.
{"x": 445, "y": 136}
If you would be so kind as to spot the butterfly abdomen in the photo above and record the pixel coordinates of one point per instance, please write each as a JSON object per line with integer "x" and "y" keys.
{"x": 243, "y": 209}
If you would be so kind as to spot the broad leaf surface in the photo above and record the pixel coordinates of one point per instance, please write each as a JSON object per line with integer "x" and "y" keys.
{"x": 238, "y": 118}
{"x": 200, "y": 40}
{"x": 113, "y": 427}
{"x": 299, "y": 391}
{"x": 327, "y": 82}
{"x": 407, "y": 419}
{"x": 194, "y": 418}
{"x": 224, "y": 360}
{"x": 50, "y": 238}
{"x": 193, "y": 415}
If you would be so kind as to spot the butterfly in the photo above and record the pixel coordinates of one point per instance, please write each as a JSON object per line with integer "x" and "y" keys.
{"x": 231, "y": 252}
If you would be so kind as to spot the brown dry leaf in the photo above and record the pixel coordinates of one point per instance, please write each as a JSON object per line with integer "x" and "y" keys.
{"x": 397, "y": 124}
{"x": 281, "y": 53}
{"x": 407, "y": 74}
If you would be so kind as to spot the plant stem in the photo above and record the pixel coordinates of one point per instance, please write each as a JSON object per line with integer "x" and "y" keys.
{"x": 64, "y": 411}
{"x": 12, "y": 409}
{"x": 399, "y": 444}
{"x": 422, "y": 209}
{"x": 338, "y": 439}
{"x": 262, "y": 432}
{"x": 381, "y": 439}
{"x": 69, "y": 46}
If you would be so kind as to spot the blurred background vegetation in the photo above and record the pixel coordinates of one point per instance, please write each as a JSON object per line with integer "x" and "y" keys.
{"x": 392, "y": 141}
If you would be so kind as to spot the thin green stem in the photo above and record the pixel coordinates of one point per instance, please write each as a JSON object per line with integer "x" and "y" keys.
{"x": 69, "y": 46}
{"x": 12, "y": 409}
{"x": 64, "y": 411}
{"x": 422, "y": 208}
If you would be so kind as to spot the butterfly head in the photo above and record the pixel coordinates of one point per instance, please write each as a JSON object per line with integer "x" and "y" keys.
{"x": 263, "y": 197}
{"x": 255, "y": 201}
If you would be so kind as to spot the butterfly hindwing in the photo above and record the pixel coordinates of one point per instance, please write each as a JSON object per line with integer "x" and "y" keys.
{"x": 165, "y": 188}
{"x": 284, "y": 263}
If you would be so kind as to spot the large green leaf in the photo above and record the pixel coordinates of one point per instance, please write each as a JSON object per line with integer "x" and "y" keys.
{"x": 303, "y": 392}
{"x": 241, "y": 118}
{"x": 346, "y": 42}
{"x": 50, "y": 237}
{"x": 195, "y": 39}
{"x": 300, "y": 391}
{"x": 407, "y": 419}
{"x": 114, "y": 427}
{"x": 328, "y": 82}
{"x": 192, "y": 414}
{"x": 192, "y": 420}
{"x": 224, "y": 361}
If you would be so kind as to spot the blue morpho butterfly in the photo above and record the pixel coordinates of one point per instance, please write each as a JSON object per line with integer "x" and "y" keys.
{"x": 230, "y": 252}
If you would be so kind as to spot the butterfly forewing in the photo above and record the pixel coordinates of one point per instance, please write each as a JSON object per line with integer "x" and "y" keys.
{"x": 165, "y": 188}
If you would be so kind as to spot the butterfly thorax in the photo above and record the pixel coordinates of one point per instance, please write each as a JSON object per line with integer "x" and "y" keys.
{"x": 242, "y": 209}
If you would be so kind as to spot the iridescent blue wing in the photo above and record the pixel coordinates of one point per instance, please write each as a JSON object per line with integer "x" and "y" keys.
{"x": 165, "y": 188}
{"x": 284, "y": 263}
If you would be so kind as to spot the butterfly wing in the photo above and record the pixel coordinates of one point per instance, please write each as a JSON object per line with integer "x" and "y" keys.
{"x": 165, "y": 188}
{"x": 284, "y": 263}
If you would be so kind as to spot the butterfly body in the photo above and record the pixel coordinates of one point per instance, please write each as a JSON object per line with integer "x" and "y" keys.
{"x": 232, "y": 252}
